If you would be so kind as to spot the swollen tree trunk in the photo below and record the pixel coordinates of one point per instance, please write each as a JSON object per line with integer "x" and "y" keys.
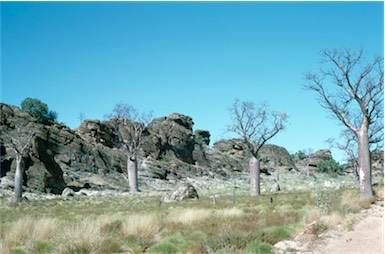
{"x": 132, "y": 170}
{"x": 364, "y": 163}
{"x": 254, "y": 177}
{"x": 18, "y": 179}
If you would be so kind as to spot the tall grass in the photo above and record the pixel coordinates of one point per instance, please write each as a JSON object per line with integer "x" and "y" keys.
{"x": 139, "y": 224}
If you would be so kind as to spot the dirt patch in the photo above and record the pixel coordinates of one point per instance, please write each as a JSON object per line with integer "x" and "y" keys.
{"x": 365, "y": 236}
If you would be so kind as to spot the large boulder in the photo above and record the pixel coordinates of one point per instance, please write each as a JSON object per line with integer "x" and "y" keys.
{"x": 181, "y": 192}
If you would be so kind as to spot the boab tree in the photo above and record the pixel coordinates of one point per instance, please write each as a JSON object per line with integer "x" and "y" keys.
{"x": 19, "y": 141}
{"x": 255, "y": 125}
{"x": 131, "y": 135}
{"x": 351, "y": 89}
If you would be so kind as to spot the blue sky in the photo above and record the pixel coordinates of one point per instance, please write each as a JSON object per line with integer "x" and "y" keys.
{"x": 193, "y": 58}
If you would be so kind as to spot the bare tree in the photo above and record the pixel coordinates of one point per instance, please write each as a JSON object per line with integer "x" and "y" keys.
{"x": 81, "y": 117}
{"x": 19, "y": 141}
{"x": 307, "y": 152}
{"x": 356, "y": 101}
{"x": 130, "y": 130}
{"x": 255, "y": 125}
{"x": 349, "y": 146}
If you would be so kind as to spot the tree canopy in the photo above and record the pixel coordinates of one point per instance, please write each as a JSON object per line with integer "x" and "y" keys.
{"x": 38, "y": 109}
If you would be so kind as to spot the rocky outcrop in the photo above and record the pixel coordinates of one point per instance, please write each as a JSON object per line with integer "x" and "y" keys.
{"x": 272, "y": 157}
{"x": 58, "y": 156}
{"x": 171, "y": 137}
{"x": 93, "y": 156}
{"x": 308, "y": 162}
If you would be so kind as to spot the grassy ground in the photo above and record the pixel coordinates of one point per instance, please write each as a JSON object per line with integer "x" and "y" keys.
{"x": 140, "y": 223}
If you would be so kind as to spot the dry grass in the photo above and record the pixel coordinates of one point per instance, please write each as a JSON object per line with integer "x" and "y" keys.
{"x": 145, "y": 226}
{"x": 136, "y": 224}
{"x": 189, "y": 216}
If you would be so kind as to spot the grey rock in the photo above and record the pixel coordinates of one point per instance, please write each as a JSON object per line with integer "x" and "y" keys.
{"x": 181, "y": 192}
{"x": 68, "y": 192}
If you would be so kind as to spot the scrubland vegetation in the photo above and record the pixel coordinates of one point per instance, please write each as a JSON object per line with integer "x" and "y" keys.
{"x": 140, "y": 223}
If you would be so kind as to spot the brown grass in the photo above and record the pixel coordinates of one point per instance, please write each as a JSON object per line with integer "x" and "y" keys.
{"x": 134, "y": 224}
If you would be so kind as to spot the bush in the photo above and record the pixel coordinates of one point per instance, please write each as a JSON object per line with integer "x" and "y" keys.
{"x": 259, "y": 247}
{"x": 300, "y": 155}
{"x": 39, "y": 110}
{"x": 331, "y": 167}
{"x": 275, "y": 234}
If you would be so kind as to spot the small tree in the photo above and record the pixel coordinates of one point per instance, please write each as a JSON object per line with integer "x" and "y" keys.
{"x": 135, "y": 123}
{"x": 19, "y": 141}
{"x": 349, "y": 146}
{"x": 356, "y": 101}
{"x": 255, "y": 125}
{"x": 39, "y": 110}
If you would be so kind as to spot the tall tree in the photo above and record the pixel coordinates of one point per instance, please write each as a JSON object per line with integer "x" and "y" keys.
{"x": 131, "y": 125}
{"x": 255, "y": 125}
{"x": 351, "y": 89}
{"x": 19, "y": 141}
{"x": 38, "y": 109}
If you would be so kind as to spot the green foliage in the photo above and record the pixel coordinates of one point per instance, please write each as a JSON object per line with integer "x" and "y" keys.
{"x": 331, "y": 167}
{"x": 274, "y": 234}
{"x": 18, "y": 251}
{"x": 198, "y": 140}
{"x": 172, "y": 244}
{"x": 39, "y": 110}
{"x": 43, "y": 247}
{"x": 300, "y": 155}
{"x": 259, "y": 247}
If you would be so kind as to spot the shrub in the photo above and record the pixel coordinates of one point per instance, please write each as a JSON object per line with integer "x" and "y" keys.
{"x": 259, "y": 247}
{"x": 331, "y": 167}
{"x": 300, "y": 155}
{"x": 39, "y": 110}
{"x": 275, "y": 234}
{"x": 176, "y": 243}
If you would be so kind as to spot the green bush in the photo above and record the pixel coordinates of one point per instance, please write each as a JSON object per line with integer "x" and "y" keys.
{"x": 39, "y": 110}
{"x": 300, "y": 155}
{"x": 259, "y": 247}
{"x": 274, "y": 234}
{"x": 172, "y": 244}
{"x": 331, "y": 167}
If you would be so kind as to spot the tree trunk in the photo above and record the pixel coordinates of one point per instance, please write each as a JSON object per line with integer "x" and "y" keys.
{"x": 254, "y": 177}
{"x": 18, "y": 179}
{"x": 132, "y": 170}
{"x": 364, "y": 163}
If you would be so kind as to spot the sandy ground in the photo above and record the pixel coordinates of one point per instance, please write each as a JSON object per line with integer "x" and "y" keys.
{"x": 367, "y": 235}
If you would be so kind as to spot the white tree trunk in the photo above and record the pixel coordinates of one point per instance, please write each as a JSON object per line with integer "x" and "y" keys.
{"x": 132, "y": 170}
{"x": 364, "y": 163}
{"x": 254, "y": 177}
{"x": 18, "y": 179}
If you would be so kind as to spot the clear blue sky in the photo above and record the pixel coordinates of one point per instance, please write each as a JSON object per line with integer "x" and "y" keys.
{"x": 193, "y": 58}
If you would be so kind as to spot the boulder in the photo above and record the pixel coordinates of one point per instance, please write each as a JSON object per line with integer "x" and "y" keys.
{"x": 202, "y": 137}
{"x": 275, "y": 187}
{"x": 181, "y": 192}
{"x": 68, "y": 192}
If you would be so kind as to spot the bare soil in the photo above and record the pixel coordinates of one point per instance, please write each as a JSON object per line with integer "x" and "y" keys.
{"x": 367, "y": 235}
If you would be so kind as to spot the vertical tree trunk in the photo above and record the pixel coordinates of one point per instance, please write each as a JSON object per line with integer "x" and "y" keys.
{"x": 18, "y": 179}
{"x": 364, "y": 163}
{"x": 132, "y": 170}
{"x": 254, "y": 177}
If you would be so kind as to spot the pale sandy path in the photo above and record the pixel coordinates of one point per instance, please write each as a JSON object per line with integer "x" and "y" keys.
{"x": 367, "y": 235}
